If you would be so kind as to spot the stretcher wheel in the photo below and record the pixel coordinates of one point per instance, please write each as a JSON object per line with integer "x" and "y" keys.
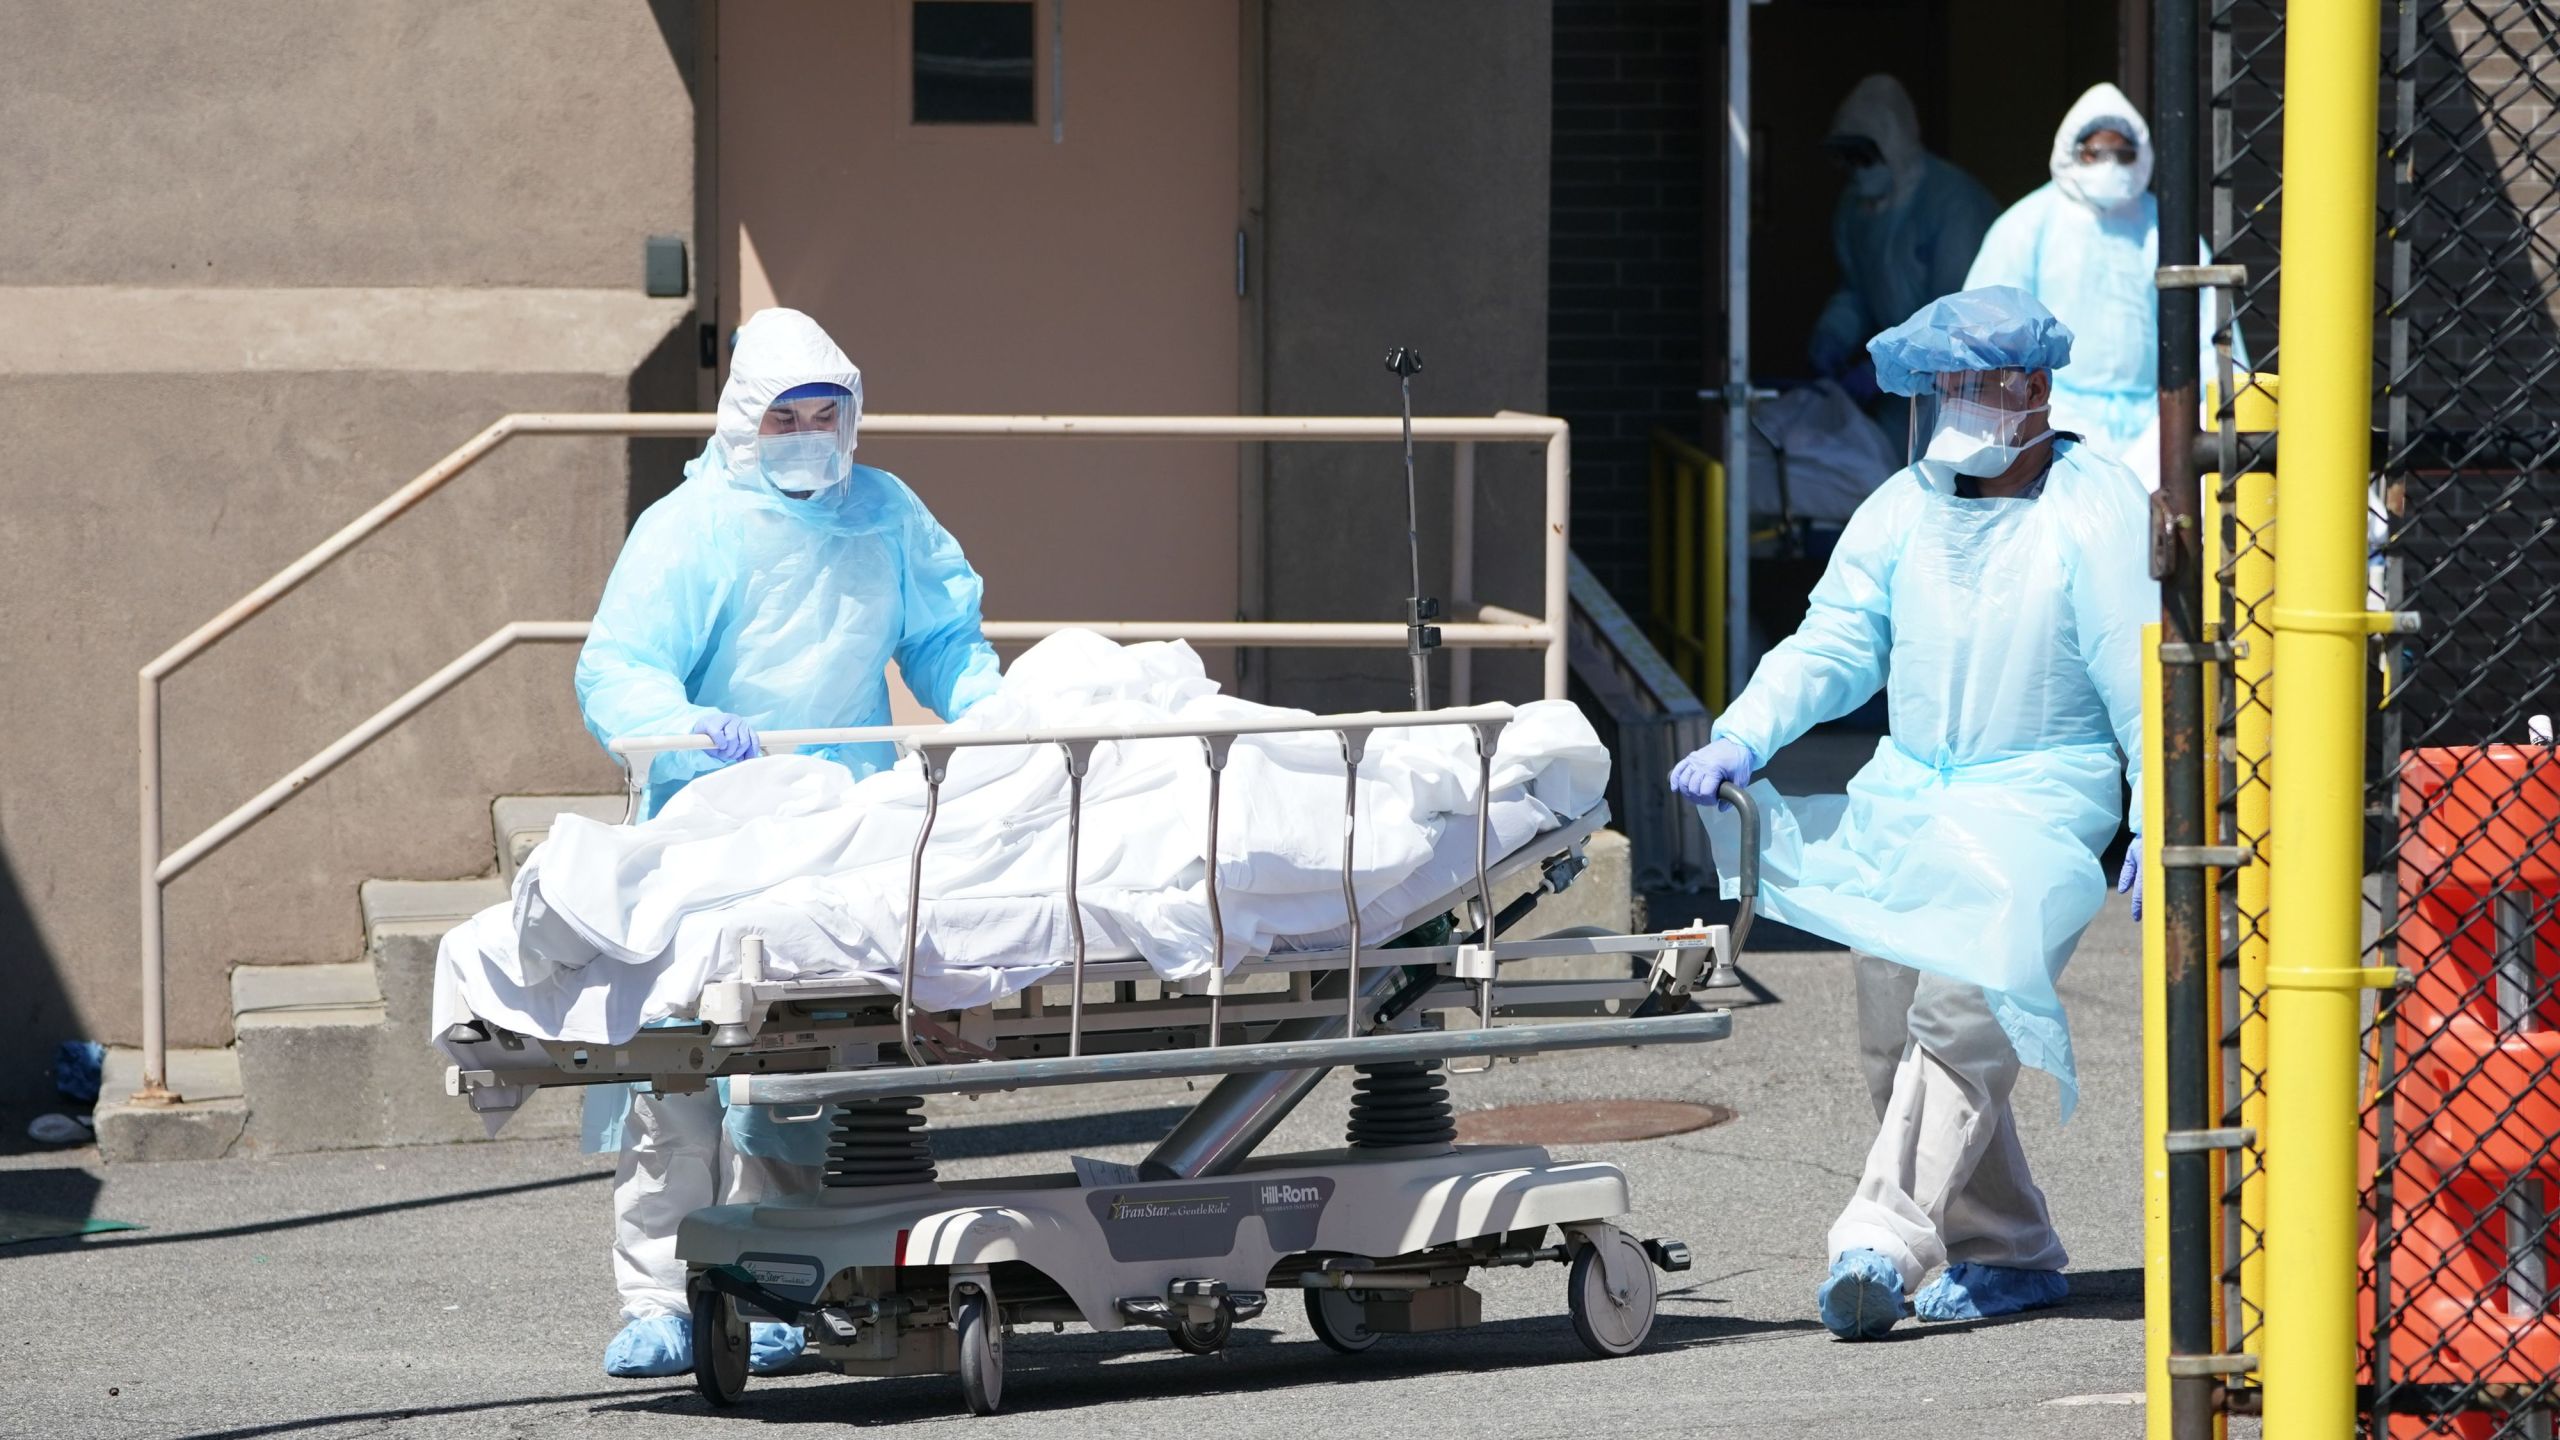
{"x": 1340, "y": 1319}
{"x": 1610, "y": 1324}
{"x": 1193, "y": 1338}
{"x": 719, "y": 1347}
{"x": 981, "y": 1352}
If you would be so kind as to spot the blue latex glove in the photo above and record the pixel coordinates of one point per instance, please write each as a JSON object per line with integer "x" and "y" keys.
{"x": 1863, "y": 1297}
{"x": 1966, "y": 1291}
{"x": 731, "y": 739}
{"x": 2129, "y": 879}
{"x": 651, "y": 1349}
{"x": 1698, "y": 778}
{"x": 771, "y": 1347}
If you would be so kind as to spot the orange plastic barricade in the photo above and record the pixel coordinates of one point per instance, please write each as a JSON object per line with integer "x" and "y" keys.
{"x": 2472, "y": 1258}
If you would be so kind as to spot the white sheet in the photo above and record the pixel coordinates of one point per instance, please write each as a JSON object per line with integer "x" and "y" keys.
{"x": 612, "y": 927}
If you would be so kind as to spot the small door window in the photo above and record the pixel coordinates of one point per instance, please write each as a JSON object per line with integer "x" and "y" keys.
{"x": 974, "y": 62}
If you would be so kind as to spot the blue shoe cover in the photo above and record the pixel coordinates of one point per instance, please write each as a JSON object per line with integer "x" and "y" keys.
{"x": 1967, "y": 1291}
{"x": 1863, "y": 1297}
{"x": 651, "y": 1349}
{"x": 771, "y": 1347}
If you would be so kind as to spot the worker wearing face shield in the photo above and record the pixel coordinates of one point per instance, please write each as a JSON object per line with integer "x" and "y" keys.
{"x": 1995, "y": 589}
{"x": 1906, "y": 226}
{"x": 2087, "y": 245}
{"x": 772, "y": 589}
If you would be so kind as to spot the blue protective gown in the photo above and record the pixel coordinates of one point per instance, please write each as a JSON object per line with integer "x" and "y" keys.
{"x": 730, "y": 595}
{"x": 2006, "y": 635}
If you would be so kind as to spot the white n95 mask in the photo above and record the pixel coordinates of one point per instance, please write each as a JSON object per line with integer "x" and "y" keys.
{"x": 1981, "y": 440}
{"x": 2105, "y": 185}
{"x": 801, "y": 463}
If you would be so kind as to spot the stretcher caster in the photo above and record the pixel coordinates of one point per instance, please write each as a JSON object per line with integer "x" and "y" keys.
{"x": 1193, "y": 1337}
{"x": 981, "y": 1333}
{"x": 719, "y": 1347}
{"x": 1340, "y": 1319}
{"x": 1611, "y": 1292}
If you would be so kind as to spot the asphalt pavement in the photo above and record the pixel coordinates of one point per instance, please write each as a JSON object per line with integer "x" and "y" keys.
{"x": 464, "y": 1290}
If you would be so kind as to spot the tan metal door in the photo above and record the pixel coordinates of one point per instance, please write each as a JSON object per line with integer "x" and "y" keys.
{"x": 1080, "y": 258}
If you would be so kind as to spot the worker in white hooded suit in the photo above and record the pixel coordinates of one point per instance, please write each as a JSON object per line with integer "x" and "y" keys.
{"x": 771, "y": 590}
{"x": 2087, "y": 244}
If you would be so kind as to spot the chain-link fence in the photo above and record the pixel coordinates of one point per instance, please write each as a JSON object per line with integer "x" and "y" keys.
{"x": 2465, "y": 787}
{"x": 2462, "y": 1257}
{"x": 2245, "y": 113}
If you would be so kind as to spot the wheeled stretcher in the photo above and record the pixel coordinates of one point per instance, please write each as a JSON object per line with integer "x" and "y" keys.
{"x": 892, "y": 1271}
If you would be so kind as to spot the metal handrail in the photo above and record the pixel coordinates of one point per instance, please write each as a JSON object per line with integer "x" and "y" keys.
{"x": 1490, "y": 629}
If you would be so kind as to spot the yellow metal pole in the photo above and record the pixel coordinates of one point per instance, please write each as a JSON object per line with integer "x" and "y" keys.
{"x": 2314, "y": 972}
{"x": 2253, "y": 588}
{"x": 2155, "y": 1074}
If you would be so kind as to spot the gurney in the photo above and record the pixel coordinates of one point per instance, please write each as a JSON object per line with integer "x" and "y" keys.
{"x": 893, "y": 1272}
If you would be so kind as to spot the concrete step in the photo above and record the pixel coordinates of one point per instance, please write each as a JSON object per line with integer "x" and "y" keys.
{"x": 205, "y": 1127}
{"x": 404, "y": 924}
{"x": 336, "y": 1057}
{"x": 309, "y": 1040}
{"x": 520, "y": 822}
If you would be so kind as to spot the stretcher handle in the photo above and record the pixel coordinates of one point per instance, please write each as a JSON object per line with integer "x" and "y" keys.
{"x": 1746, "y": 865}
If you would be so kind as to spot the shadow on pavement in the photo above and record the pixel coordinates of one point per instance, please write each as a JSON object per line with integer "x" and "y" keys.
{"x": 1077, "y": 1371}
{"x": 420, "y": 1412}
{"x": 65, "y": 1192}
{"x": 2095, "y": 1295}
{"x": 296, "y": 1222}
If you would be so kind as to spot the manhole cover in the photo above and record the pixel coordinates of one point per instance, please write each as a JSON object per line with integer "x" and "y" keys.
{"x": 1586, "y": 1122}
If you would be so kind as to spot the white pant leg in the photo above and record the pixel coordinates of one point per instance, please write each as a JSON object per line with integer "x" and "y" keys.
{"x": 1884, "y": 1022}
{"x": 1946, "y": 1167}
{"x": 669, "y": 1168}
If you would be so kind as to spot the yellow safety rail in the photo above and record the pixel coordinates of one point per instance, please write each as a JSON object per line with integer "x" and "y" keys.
{"x": 1688, "y": 515}
{"x": 2315, "y": 974}
{"x": 2241, "y": 583}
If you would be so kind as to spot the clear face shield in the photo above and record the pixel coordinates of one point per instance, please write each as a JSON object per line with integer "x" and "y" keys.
{"x": 1977, "y": 422}
{"x": 804, "y": 443}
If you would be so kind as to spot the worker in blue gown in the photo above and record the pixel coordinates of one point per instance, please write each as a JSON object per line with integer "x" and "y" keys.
{"x": 1995, "y": 590}
{"x": 770, "y": 590}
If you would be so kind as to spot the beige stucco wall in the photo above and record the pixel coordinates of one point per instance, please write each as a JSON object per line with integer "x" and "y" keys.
{"x": 1407, "y": 205}
{"x": 261, "y": 262}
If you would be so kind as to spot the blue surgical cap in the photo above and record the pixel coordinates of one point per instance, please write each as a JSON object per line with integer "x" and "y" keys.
{"x": 1998, "y": 327}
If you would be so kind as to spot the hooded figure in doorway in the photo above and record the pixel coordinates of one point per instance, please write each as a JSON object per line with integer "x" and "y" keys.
{"x": 1906, "y": 227}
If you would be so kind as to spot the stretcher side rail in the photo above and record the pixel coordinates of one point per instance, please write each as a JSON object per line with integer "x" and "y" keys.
{"x": 843, "y": 1086}
{"x": 679, "y": 1059}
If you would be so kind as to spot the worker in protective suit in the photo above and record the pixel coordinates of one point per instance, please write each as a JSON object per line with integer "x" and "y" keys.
{"x": 1905, "y": 228}
{"x": 770, "y": 590}
{"x": 1995, "y": 589}
{"x": 2087, "y": 245}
